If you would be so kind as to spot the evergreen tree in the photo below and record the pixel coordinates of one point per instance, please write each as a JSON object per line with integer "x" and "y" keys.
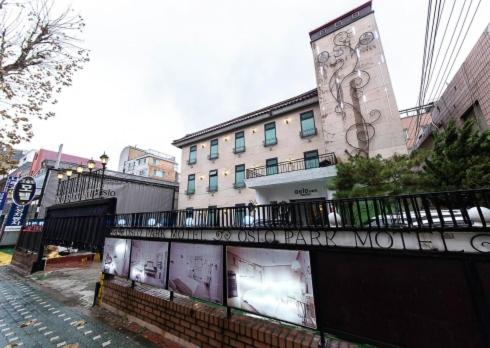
{"x": 460, "y": 158}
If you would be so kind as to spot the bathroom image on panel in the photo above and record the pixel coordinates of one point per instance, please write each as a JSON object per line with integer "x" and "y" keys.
{"x": 273, "y": 283}
{"x": 116, "y": 256}
{"x": 196, "y": 270}
{"x": 149, "y": 262}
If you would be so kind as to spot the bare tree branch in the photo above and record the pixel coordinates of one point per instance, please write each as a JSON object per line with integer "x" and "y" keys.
{"x": 39, "y": 54}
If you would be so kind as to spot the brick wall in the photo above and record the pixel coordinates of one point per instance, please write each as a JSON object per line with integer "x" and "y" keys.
{"x": 204, "y": 325}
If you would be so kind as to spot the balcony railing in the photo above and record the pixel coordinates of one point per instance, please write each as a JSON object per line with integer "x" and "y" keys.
{"x": 269, "y": 142}
{"x": 213, "y": 156}
{"x": 306, "y": 133}
{"x": 324, "y": 160}
{"x": 239, "y": 149}
{"x": 440, "y": 211}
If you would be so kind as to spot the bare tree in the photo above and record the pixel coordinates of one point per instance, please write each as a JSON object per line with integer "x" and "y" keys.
{"x": 39, "y": 53}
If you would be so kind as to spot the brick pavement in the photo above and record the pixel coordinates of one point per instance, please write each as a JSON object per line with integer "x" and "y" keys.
{"x": 32, "y": 318}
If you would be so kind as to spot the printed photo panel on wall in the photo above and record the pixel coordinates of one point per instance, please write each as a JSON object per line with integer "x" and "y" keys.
{"x": 273, "y": 283}
{"x": 197, "y": 270}
{"x": 149, "y": 262}
{"x": 116, "y": 256}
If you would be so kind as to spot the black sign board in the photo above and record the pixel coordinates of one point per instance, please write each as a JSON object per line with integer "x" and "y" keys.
{"x": 24, "y": 191}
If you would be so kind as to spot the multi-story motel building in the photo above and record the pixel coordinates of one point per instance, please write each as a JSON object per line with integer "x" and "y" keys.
{"x": 288, "y": 151}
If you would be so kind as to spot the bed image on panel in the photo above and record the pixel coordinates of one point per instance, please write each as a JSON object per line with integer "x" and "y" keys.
{"x": 273, "y": 283}
{"x": 116, "y": 256}
{"x": 149, "y": 262}
{"x": 197, "y": 270}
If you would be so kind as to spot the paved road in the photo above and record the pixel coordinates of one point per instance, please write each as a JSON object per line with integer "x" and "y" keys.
{"x": 30, "y": 317}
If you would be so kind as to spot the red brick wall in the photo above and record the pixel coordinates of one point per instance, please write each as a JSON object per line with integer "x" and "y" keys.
{"x": 202, "y": 324}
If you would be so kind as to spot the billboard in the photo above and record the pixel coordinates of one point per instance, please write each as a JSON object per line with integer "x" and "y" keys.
{"x": 16, "y": 217}
{"x": 116, "y": 256}
{"x": 197, "y": 270}
{"x": 149, "y": 262}
{"x": 273, "y": 283}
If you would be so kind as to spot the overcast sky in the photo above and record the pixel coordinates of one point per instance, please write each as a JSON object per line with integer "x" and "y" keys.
{"x": 162, "y": 69}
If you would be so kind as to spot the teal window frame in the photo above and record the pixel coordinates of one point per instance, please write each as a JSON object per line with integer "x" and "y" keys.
{"x": 239, "y": 142}
{"x": 270, "y": 135}
{"x": 213, "y": 149}
{"x": 308, "y": 127}
{"x": 192, "y": 155}
{"x": 271, "y": 166}
{"x": 213, "y": 180}
{"x": 191, "y": 178}
{"x": 240, "y": 176}
{"x": 311, "y": 159}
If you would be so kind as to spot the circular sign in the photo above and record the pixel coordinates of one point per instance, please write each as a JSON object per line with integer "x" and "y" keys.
{"x": 24, "y": 191}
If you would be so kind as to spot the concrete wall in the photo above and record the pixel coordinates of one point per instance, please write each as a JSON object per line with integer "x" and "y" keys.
{"x": 353, "y": 55}
{"x": 289, "y": 146}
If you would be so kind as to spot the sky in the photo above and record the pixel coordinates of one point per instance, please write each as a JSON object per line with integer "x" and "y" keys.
{"x": 161, "y": 69}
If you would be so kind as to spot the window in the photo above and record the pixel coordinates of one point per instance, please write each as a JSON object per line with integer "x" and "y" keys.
{"x": 213, "y": 149}
{"x": 192, "y": 154}
{"x": 159, "y": 173}
{"x": 212, "y": 216}
{"x": 311, "y": 159}
{"x": 239, "y": 142}
{"x": 270, "y": 134}
{"x": 240, "y": 213}
{"x": 240, "y": 176}
{"x": 156, "y": 161}
{"x": 213, "y": 181}
{"x": 191, "y": 184}
{"x": 271, "y": 166}
{"x": 405, "y": 133}
{"x": 307, "y": 124}
{"x": 142, "y": 172}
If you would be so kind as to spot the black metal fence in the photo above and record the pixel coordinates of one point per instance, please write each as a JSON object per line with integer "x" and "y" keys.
{"x": 80, "y": 187}
{"x": 457, "y": 210}
{"x": 324, "y": 160}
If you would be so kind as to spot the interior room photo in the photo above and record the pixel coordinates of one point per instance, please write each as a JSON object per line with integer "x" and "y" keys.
{"x": 116, "y": 256}
{"x": 149, "y": 262}
{"x": 196, "y": 270}
{"x": 274, "y": 283}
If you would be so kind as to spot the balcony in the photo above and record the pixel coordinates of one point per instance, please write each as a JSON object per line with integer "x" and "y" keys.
{"x": 213, "y": 156}
{"x": 192, "y": 161}
{"x": 300, "y": 170}
{"x": 190, "y": 192}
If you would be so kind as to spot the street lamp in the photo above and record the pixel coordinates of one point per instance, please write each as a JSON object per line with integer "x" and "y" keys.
{"x": 90, "y": 165}
{"x": 68, "y": 172}
{"x": 60, "y": 175}
{"x": 79, "y": 169}
{"x": 104, "y": 159}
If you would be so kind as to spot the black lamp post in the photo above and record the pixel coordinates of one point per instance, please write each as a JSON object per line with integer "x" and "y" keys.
{"x": 68, "y": 173}
{"x": 60, "y": 177}
{"x": 104, "y": 159}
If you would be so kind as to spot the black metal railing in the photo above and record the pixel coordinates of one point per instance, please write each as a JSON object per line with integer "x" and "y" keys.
{"x": 457, "y": 211}
{"x": 324, "y": 160}
{"x": 80, "y": 187}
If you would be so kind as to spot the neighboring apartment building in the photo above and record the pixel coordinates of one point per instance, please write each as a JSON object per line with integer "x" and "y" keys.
{"x": 288, "y": 151}
{"x": 409, "y": 124}
{"x": 467, "y": 96}
{"x": 148, "y": 163}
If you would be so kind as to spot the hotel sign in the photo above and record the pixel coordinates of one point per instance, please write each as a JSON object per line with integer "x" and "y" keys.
{"x": 436, "y": 241}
